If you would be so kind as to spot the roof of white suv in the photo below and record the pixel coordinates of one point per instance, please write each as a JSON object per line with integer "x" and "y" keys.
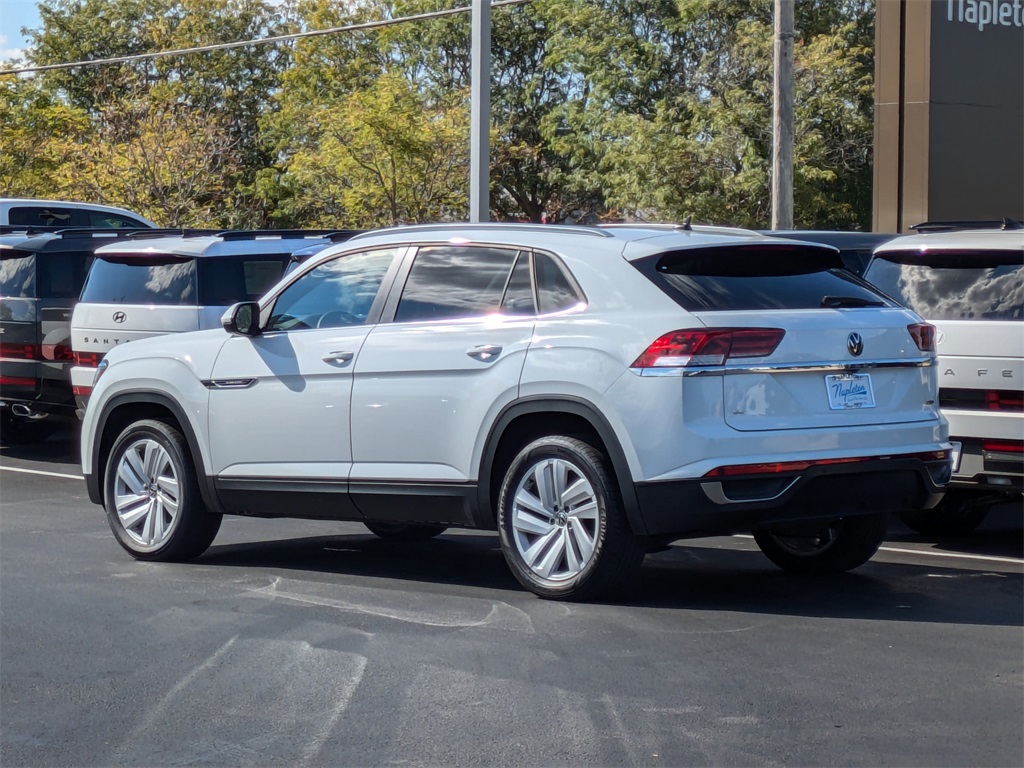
{"x": 633, "y": 241}
{"x": 969, "y": 239}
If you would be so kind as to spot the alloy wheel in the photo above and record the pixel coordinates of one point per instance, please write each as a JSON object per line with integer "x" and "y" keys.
{"x": 147, "y": 493}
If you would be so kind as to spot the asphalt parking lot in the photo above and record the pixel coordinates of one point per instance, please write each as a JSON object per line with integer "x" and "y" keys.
{"x": 309, "y": 643}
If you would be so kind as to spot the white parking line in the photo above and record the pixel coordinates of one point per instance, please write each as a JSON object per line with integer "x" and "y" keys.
{"x": 38, "y": 472}
{"x": 931, "y": 553}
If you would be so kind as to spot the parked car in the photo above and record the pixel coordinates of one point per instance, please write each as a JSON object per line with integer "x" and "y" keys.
{"x": 970, "y": 284}
{"x": 41, "y": 276}
{"x": 65, "y": 213}
{"x": 590, "y": 393}
{"x": 171, "y": 284}
{"x": 855, "y": 248}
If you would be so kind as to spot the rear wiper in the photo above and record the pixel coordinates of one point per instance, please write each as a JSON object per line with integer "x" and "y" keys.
{"x": 835, "y": 302}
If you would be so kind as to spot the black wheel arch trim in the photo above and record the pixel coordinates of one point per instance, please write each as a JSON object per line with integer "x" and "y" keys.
{"x": 575, "y": 406}
{"x": 94, "y": 480}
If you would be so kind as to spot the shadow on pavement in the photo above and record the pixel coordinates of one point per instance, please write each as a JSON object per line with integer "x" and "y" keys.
{"x": 694, "y": 578}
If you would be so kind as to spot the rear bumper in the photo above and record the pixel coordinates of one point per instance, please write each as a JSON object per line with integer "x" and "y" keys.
{"x": 43, "y": 388}
{"x": 716, "y": 506}
{"x": 987, "y": 470}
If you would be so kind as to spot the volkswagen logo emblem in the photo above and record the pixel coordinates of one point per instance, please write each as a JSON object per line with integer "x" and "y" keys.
{"x": 855, "y": 344}
{"x": 120, "y": 317}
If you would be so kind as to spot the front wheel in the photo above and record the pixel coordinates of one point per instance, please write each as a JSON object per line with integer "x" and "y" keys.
{"x": 837, "y": 546}
{"x": 405, "y": 531}
{"x": 562, "y": 524}
{"x": 152, "y": 496}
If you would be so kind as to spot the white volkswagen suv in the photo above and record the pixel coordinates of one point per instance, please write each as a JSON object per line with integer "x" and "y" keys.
{"x": 591, "y": 393}
{"x": 970, "y": 284}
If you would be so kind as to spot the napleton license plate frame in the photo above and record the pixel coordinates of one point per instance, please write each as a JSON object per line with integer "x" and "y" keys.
{"x": 849, "y": 391}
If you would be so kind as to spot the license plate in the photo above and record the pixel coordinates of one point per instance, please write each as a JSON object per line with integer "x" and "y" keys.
{"x": 849, "y": 390}
{"x": 956, "y": 455}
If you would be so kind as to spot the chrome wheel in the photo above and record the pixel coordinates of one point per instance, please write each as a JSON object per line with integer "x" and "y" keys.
{"x": 555, "y": 520}
{"x": 147, "y": 495}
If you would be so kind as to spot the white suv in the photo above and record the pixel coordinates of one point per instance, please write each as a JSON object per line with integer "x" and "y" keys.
{"x": 970, "y": 284}
{"x": 156, "y": 283}
{"x": 591, "y": 393}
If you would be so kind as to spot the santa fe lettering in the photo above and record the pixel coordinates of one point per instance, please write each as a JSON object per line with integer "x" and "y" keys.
{"x": 982, "y": 13}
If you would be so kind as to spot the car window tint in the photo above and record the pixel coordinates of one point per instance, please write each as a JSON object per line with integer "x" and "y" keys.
{"x": 112, "y": 221}
{"x": 518, "y": 298}
{"x": 142, "y": 279}
{"x": 40, "y": 216}
{"x": 61, "y": 275}
{"x": 753, "y": 277}
{"x": 554, "y": 291}
{"x": 455, "y": 281}
{"x": 336, "y": 293}
{"x": 942, "y": 287}
{"x": 17, "y": 274}
{"x": 226, "y": 280}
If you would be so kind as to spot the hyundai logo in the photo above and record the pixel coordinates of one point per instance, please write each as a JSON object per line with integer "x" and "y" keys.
{"x": 855, "y": 344}
{"x": 120, "y": 317}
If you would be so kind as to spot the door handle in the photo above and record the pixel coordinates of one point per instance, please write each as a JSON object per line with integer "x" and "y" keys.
{"x": 338, "y": 357}
{"x": 484, "y": 353}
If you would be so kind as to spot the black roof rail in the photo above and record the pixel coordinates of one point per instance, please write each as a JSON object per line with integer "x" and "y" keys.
{"x": 252, "y": 234}
{"x": 173, "y": 232}
{"x": 28, "y": 229}
{"x": 952, "y": 226}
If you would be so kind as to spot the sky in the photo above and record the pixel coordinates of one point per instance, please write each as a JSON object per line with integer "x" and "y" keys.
{"x": 15, "y": 14}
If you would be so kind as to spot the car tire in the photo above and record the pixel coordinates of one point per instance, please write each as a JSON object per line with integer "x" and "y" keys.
{"x": 841, "y": 545}
{"x": 562, "y": 523}
{"x": 405, "y": 531}
{"x": 955, "y": 515}
{"x": 152, "y": 498}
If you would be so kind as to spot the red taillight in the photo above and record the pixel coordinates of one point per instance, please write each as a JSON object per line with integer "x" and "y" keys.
{"x": 79, "y": 391}
{"x": 57, "y": 352}
{"x": 1003, "y": 446}
{"x": 13, "y": 351}
{"x": 923, "y": 335}
{"x": 711, "y": 346}
{"x": 88, "y": 359}
{"x": 799, "y": 466}
{"x": 998, "y": 400}
{"x": 17, "y": 381}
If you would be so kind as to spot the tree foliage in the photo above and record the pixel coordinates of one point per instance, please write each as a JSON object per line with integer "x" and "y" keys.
{"x": 601, "y": 109}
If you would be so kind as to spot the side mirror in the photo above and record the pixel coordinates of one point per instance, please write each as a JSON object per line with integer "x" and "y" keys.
{"x": 242, "y": 319}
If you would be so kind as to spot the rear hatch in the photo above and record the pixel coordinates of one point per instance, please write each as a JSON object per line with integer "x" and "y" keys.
{"x": 976, "y": 300}
{"x": 847, "y": 357}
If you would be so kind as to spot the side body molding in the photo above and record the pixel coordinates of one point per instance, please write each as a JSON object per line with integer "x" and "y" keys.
{"x": 486, "y": 514}
{"x": 94, "y": 481}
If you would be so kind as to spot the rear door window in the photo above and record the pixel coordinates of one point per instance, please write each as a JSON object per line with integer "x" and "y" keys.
{"x": 142, "y": 279}
{"x": 758, "y": 277}
{"x": 947, "y": 285}
{"x": 226, "y": 280}
{"x": 455, "y": 281}
{"x": 41, "y": 216}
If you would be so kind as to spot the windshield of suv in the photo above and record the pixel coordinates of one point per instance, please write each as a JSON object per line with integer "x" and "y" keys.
{"x": 141, "y": 279}
{"x": 947, "y": 285}
{"x": 753, "y": 277}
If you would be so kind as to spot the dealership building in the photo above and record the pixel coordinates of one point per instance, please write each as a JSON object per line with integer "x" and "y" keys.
{"x": 949, "y": 111}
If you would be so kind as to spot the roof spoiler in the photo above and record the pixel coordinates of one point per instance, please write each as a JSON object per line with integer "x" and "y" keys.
{"x": 953, "y": 226}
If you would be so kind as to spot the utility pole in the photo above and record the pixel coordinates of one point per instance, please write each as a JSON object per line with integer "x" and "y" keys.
{"x": 480, "y": 112}
{"x": 782, "y": 118}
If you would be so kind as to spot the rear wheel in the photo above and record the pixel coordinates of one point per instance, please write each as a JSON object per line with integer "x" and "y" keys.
{"x": 837, "y": 546}
{"x": 562, "y": 524}
{"x": 959, "y": 513}
{"x": 152, "y": 496}
{"x": 405, "y": 531}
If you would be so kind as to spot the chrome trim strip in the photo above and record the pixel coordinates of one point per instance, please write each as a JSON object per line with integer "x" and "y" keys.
{"x": 716, "y": 493}
{"x": 228, "y": 383}
{"x": 814, "y": 367}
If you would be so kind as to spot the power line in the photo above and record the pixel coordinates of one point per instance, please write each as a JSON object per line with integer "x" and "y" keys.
{"x": 256, "y": 41}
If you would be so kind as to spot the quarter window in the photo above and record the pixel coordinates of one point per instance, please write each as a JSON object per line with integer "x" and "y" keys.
{"x": 554, "y": 291}
{"x": 336, "y": 293}
{"x": 455, "y": 281}
{"x": 40, "y": 217}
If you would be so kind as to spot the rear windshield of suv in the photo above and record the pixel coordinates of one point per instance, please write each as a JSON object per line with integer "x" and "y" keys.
{"x": 756, "y": 277}
{"x": 171, "y": 280}
{"x": 947, "y": 285}
{"x": 27, "y": 275}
